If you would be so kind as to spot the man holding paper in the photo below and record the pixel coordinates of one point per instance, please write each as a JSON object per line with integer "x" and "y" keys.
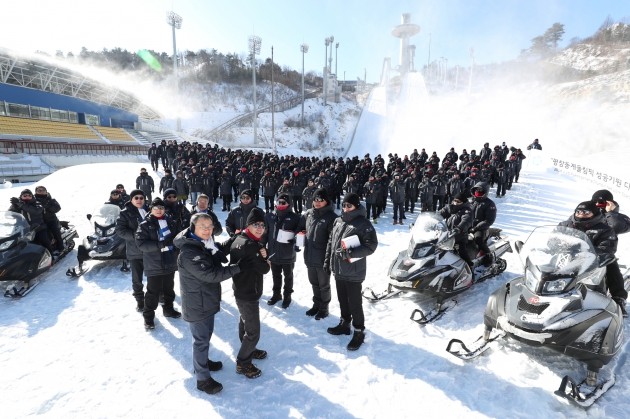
{"x": 353, "y": 238}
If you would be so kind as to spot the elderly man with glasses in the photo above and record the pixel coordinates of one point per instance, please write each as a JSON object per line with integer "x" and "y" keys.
{"x": 130, "y": 217}
{"x": 201, "y": 271}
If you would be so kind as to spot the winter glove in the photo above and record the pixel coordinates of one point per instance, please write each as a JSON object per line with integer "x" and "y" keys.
{"x": 16, "y": 201}
{"x": 456, "y": 230}
{"x": 167, "y": 249}
{"x": 297, "y": 249}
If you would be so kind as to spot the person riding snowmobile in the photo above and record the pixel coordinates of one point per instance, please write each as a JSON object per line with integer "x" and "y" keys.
{"x": 484, "y": 213}
{"x": 458, "y": 216}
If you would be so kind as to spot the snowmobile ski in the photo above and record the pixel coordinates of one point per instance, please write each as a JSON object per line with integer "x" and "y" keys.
{"x": 581, "y": 393}
{"x": 494, "y": 270}
{"x": 19, "y": 291}
{"x": 477, "y": 348}
{"x": 77, "y": 271}
{"x": 436, "y": 313}
{"x": 373, "y": 297}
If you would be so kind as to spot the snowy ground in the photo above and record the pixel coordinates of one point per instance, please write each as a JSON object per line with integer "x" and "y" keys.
{"x": 77, "y": 348}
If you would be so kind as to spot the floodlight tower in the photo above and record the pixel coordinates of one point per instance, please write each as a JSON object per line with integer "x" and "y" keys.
{"x": 254, "y": 49}
{"x": 404, "y": 31}
{"x": 304, "y": 49}
{"x": 175, "y": 21}
{"x": 328, "y": 41}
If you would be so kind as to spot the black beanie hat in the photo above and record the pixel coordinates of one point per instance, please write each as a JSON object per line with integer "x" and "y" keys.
{"x": 157, "y": 201}
{"x": 602, "y": 195}
{"x": 247, "y": 192}
{"x": 321, "y": 194}
{"x": 286, "y": 197}
{"x": 26, "y": 191}
{"x": 461, "y": 197}
{"x": 136, "y": 192}
{"x": 587, "y": 206}
{"x": 353, "y": 199}
{"x": 256, "y": 215}
{"x": 169, "y": 191}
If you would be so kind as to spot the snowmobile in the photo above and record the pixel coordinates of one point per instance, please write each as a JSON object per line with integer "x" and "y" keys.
{"x": 560, "y": 302}
{"x": 432, "y": 267}
{"x": 21, "y": 260}
{"x": 104, "y": 243}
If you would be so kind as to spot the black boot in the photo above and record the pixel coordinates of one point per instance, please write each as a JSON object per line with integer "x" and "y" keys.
{"x": 357, "y": 339}
{"x": 322, "y": 313}
{"x": 140, "y": 306}
{"x": 209, "y": 386}
{"x": 171, "y": 312}
{"x": 622, "y": 305}
{"x": 274, "y": 299}
{"x": 343, "y": 328}
{"x": 312, "y": 311}
{"x": 286, "y": 301}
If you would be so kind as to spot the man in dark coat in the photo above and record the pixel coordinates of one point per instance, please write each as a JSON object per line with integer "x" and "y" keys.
{"x": 203, "y": 206}
{"x": 458, "y": 217}
{"x": 397, "y": 195}
{"x": 317, "y": 223}
{"x": 282, "y": 223}
{"x": 176, "y": 210}
{"x": 144, "y": 182}
{"x": 484, "y": 213}
{"x": 126, "y": 225}
{"x": 32, "y": 210}
{"x": 248, "y": 251}
{"x": 236, "y": 219}
{"x": 346, "y": 260}
{"x": 154, "y": 238}
{"x": 200, "y": 274}
{"x": 51, "y": 208}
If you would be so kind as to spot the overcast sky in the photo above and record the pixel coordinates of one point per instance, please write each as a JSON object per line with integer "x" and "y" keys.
{"x": 495, "y": 30}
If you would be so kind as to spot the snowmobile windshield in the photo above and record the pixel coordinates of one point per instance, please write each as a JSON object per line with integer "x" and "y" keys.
{"x": 556, "y": 257}
{"x": 104, "y": 219}
{"x": 426, "y": 231}
{"x": 12, "y": 227}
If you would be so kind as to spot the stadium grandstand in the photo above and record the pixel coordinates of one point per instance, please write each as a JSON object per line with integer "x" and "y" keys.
{"x": 47, "y": 109}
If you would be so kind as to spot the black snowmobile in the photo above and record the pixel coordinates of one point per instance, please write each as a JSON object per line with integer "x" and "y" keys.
{"x": 431, "y": 266}
{"x": 104, "y": 243}
{"x": 561, "y": 302}
{"x": 21, "y": 260}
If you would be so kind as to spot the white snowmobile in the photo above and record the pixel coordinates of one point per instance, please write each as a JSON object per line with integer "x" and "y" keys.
{"x": 560, "y": 302}
{"x": 432, "y": 267}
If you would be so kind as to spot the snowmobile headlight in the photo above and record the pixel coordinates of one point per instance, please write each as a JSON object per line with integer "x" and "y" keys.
{"x": 110, "y": 231}
{"x": 556, "y": 286}
{"x": 531, "y": 281}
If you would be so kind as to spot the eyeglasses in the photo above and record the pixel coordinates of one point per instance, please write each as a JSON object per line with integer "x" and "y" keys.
{"x": 204, "y": 228}
{"x": 27, "y": 196}
{"x": 456, "y": 202}
{"x": 139, "y": 198}
{"x": 318, "y": 200}
{"x": 116, "y": 194}
{"x": 258, "y": 225}
{"x": 346, "y": 205}
{"x": 171, "y": 197}
{"x": 583, "y": 212}
{"x": 282, "y": 202}
{"x": 158, "y": 207}
{"x": 246, "y": 197}
{"x": 40, "y": 190}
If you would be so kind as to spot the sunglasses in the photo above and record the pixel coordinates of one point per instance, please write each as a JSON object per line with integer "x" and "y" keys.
{"x": 158, "y": 207}
{"x": 26, "y": 196}
{"x": 282, "y": 202}
{"x": 116, "y": 194}
{"x": 319, "y": 200}
{"x": 139, "y": 198}
{"x": 347, "y": 205}
{"x": 171, "y": 197}
{"x": 583, "y": 212}
{"x": 258, "y": 225}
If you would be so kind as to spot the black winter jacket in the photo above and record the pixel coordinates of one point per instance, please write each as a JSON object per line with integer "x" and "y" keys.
{"x": 280, "y": 253}
{"x": 318, "y": 224}
{"x": 484, "y": 213}
{"x": 126, "y": 227}
{"x": 350, "y": 224}
{"x": 200, "y": 276}
{"x": 601, "y": 234}
{"x": 237, "y": 217}
{"x": 50, "y": 205}
{"x": 156, "y": 261}
{"x": 458, "y": 217}
{"x": 248, "y": 284}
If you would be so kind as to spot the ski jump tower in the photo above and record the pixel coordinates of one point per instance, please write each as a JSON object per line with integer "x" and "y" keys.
{"x": 404, "y": 31}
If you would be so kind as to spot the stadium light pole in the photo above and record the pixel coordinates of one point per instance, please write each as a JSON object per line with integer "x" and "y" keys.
{"x": 273, "y": 105}
{"x": 254, "y": 49}
{"x": 175, "y": 21}
{"x": 336, "y": 61}
{"x": 304, "y": 49}
{"x": 327, "y": 41}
